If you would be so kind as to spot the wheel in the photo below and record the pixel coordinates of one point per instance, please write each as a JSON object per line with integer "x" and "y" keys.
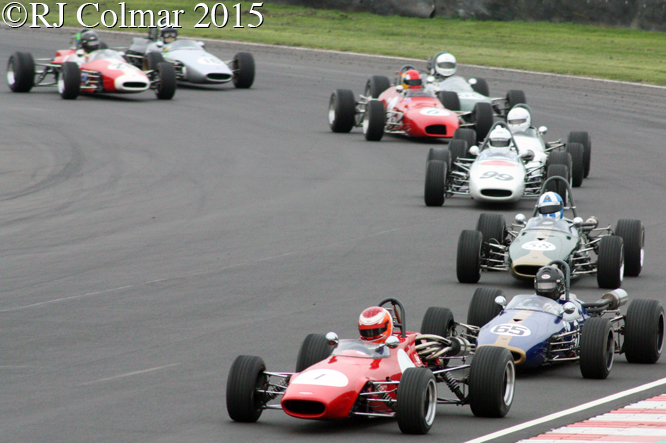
{"x": 374, "y": 121}
{"x": 468, "y": 260}
{"x": 435, "y": 179}
{"x": 166, "y": 86}
{"x": 481, "y": 86}
{"x": 314, "y": 349}
{"x": 467, "y": 134}
{"x": 492, "y": 227}
{"x": 152, "y": 60}
{"x": 458, "y": 149}
{"x": 643, "y": 331}
{"x": 416, "y": 401}
{"x": 246, "y": 375}
{"x": 610, "y": 262}
{"x": 341, "y": 110}
{"x": 437, "y": 321}
{"x": 376, "y": 85}
{"x": 492, "y": 381}
{"x": 584, "y": 139}
{"x": 560, "y": 158}
{"x": 483, "y": 118}
{"x": 441, "y": 154}
{"x": 575, "y": 150}
{"x": 556, "y": 185}
{"x": 483, "y": 308}
{"x": 633, "y": 238}
{"x": 449, "y": 99}
{"x": 243, "y": 69}
{"x": 69, "y": 81}
{"x": 21, "y": 72}
{"x": 515, "y": 97}
{"x": 597, "y": 347}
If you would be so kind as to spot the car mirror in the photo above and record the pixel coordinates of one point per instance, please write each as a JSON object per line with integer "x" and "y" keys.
{"x": 202, "y": 44}
{"x": 430, "y": 79}
{"x": 520, "y": 219}
{"x": 577, "y": 222}
{"x": 392, "y": 342}
{"x": 528, "y": 156}
{"x": 399, "y": 88}
{"x": 474, "y": 150}
{"x": 472, "y": 81}
{"x": 543, "y": 130}
{"x": 332, "y": 338}
{"x": 501, "y": 300}
{"x": 569, "y": 308}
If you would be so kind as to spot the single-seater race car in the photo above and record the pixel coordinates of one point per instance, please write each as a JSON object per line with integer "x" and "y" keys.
{"x": 503, "y": 169}
{"x": 396, "y": 376}
{"x": 552, "y": 325}
{"x": 530, "y": 244}
{"x": 405, "y": 108}
{"x": 192, "y": 62}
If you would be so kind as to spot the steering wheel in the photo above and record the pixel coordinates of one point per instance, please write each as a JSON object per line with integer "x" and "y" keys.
{"x": 398, "y": 311}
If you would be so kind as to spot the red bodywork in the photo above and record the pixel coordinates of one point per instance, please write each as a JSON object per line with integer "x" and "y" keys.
{"x": 422, "y": 115}
{"x": 329, "y": 389}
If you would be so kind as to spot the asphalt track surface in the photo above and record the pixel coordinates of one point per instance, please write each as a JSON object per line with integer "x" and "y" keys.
{"x": 146, "y": 244}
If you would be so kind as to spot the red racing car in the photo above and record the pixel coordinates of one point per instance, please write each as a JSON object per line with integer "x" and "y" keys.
{"x": 405, "y": 108}
{"x": 393, "y": 377}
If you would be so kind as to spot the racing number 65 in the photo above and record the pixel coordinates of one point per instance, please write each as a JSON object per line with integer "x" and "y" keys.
{"x": 225, "y": 15}
{"x": 496, "y": 176}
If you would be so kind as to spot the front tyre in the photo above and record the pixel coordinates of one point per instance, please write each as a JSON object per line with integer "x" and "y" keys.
{"x": 597, "y": 347}
{"x": 374, "y": 121}
{"x": 515, "y": 97}
{"x": 314, "y": 349}
{"x": 483, "y": 117}
{"x": 416, "y": 401}
{"x": 166, "y": 87}
{"x": 435, "y": 179}
{"x": 341, "y": 110}
{"x": 69, "y": 81}
{"x": 449, "y": 100}
{"x": 243, "y": 70}
{"x": 492, "y": 380}
{"x": 584, "y": 139}
{"x": 633, "y": 237}
{"x": 468, "y": 260}
{"x": 643, "y": 331}
{"x": 376, "y": 85}
{"x": 483, "y": 308}
{"x": 610, "y": 262}
{"x": 575, "y": 150}
{"x": 246, "y": 375}
{"x": 21, "y": 72}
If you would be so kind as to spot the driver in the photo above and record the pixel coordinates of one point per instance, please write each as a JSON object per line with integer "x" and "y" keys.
{"x": 550, "y": 206}
{"x": 169, "y": 34}
{"x": 499, "y": 142}
{"x": 549, "y": 282}
{"x": 518, "y": 119}
{"x": 411, "y": 82}
{"x": 443, "y": 65}
{"x": 88, "y": 41}
{"x": 375, "y": 325}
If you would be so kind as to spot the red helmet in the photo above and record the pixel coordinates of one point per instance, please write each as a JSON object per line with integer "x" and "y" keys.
{"x": 375, "y": 324}
{"x": 411, "y": 79}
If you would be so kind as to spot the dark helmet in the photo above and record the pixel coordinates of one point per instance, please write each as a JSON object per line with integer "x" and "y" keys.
{"x": 89, "y": 41}
{"x": 169, "y": 34}
{"x": 549, "y": 282}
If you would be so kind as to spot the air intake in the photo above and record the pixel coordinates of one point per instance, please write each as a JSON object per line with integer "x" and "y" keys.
{"x": 496, "y": 193}
{"x": 436, "y": 129}
{"x": 304, "y": 407}
{"x": 217, "y": 77}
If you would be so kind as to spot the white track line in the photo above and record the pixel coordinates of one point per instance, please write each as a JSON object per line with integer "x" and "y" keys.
{"x": 566, "y": 412}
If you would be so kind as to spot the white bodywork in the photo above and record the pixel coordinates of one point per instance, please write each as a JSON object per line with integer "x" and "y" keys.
{"x": 497, "y": 178}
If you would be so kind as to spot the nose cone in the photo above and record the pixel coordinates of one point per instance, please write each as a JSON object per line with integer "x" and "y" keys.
{"x": 497, "y": 180}
{"x": 132, "y": 82}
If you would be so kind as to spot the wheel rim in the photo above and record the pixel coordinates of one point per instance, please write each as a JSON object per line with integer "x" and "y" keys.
{"x": 331, "y": 112}
{"x": 366, "y": 123}
{"x": 610, "y": 348}
{"x": 11, "y": 78}
{"x": 509, "y": 382}
{"x": 429, "y": 408}
{"x": 61, "y": 84}
{"x": 660, "y": 333}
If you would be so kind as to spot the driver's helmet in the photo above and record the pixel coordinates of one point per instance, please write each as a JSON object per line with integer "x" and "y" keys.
{"x": 549, "y": 282}
{"x": 89, "y": 41}
{"x": 550, "y": 205}
{"x": 444, "y": 64}
{"x": 411, "y": 79}
{"x": 169, "y": 34}
{"x": 499, "y": 139}
{"x": 519, "y": 119}
{"x": 375, "y": 324}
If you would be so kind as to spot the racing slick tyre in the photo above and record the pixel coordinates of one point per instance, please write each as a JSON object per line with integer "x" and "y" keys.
{"x": 597, "y": 347}
{"x": 483, "y": 118}
{"x": 21, "y": 72}
{"x": 584, "y": 139}
{"x": 152, "y": 60}
{"x": 575, "y": 150}
{"x": 69, "y": 81}
{"x": 458, "y": 149}
{"x": 246, "y": 375}
{"x": 492, "y": 381}
{"x": 342, "y": 110}
{"x": 435, "y": 183}
{"x": 314, "y": 349}
{"x": 515, "y": 97}
{"x": 437, "y": 321}
{"x": 376, "y": 85}
{"x": 468, "y": 260}
{"x": 166, "y": 88}
{"x": 416, "y": 401}
{"x": 633, "y": 238}
{"x": 492, "y": 227}
{"x": 560, "y": 158}
{"x": 449, "y": 100}
{"x": 441, "y": 154}
{"x": 374, "y": 121}
{"x": 480, "y": 85}
{"x": 557, "y": 186}
{"x": 467, "y": 134}
{"x": 243, "y": 69}
{"x": 610, "y": 262}
{"x": 643, "y": 331}
{"x": 483, "y": 308}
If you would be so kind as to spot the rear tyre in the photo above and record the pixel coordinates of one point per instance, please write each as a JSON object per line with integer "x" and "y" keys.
{"x": 166, "y": 88}
{"x": 560, "y": 158}
{"x": 69, "y": 81}
{"x": 246, "y": 375}
{"x": 21, "y": 72}
{"x": 584, "y": 139}
{"x": 243, "y": 70}
{"x": 314, "y": 349}
{"x": 449, "y": 99}
{"x": 374, "y": 121}
{"x": 458, "y": 149}
{"x": 467, "y": 134}
{"x": 492, "y": 380}
{"x": 515, "y": 97}
{"x": 633, "y": 238}
{"x": 468, "y": 260}
{"x": 376, "y": 85}
{"x": 556, "y": 185}
{"x": 152, "y": 60}
{"x": 597, "y": 347}
{"x": 435, "y": 183}
{"x": 643, "y": 331}
{"x": 575, "y": 150}
{"x": 416, "y": 401}
{"x": 437, "y": 321}
{"x": 481, "y": 86}
{"x": 483, "y": 117}
{"x": 341, "y": 110}
{"x": 492, "y": 227}
{"x": 610, "y": 262}
{"x": 483, "y": 308}
{"x": 441, "y": 154}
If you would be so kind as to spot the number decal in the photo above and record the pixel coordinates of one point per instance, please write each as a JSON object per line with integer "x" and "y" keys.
{"x": 497, "y": 176}
{"x": 507, "y": 329}
{"x": 539, "y": 245}
{"x": 435, "y": 112}
{"x": 321, "y": 377}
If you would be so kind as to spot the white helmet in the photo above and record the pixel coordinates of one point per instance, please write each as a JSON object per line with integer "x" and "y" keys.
{"x": 500, "y": 137}
{"x": 519, "y": 119}
{"x": 445, "y": 64}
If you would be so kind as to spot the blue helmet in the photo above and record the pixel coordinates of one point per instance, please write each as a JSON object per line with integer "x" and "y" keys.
{"x": 551, "y": 205}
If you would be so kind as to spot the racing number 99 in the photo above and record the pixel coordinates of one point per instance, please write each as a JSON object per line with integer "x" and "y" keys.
{"x": 225, "y": 15}
{"x": 496, "y": 175}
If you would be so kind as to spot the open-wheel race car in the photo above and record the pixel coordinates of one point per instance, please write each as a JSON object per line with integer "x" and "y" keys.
{"x": 552, "y": 325}
{"x": 100, "y": 71}
{"x": 397, "y": 377}
{"x": 505, "y": 168}
{"x": 530, "y": 244}
{"x": 404, "y": 108}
